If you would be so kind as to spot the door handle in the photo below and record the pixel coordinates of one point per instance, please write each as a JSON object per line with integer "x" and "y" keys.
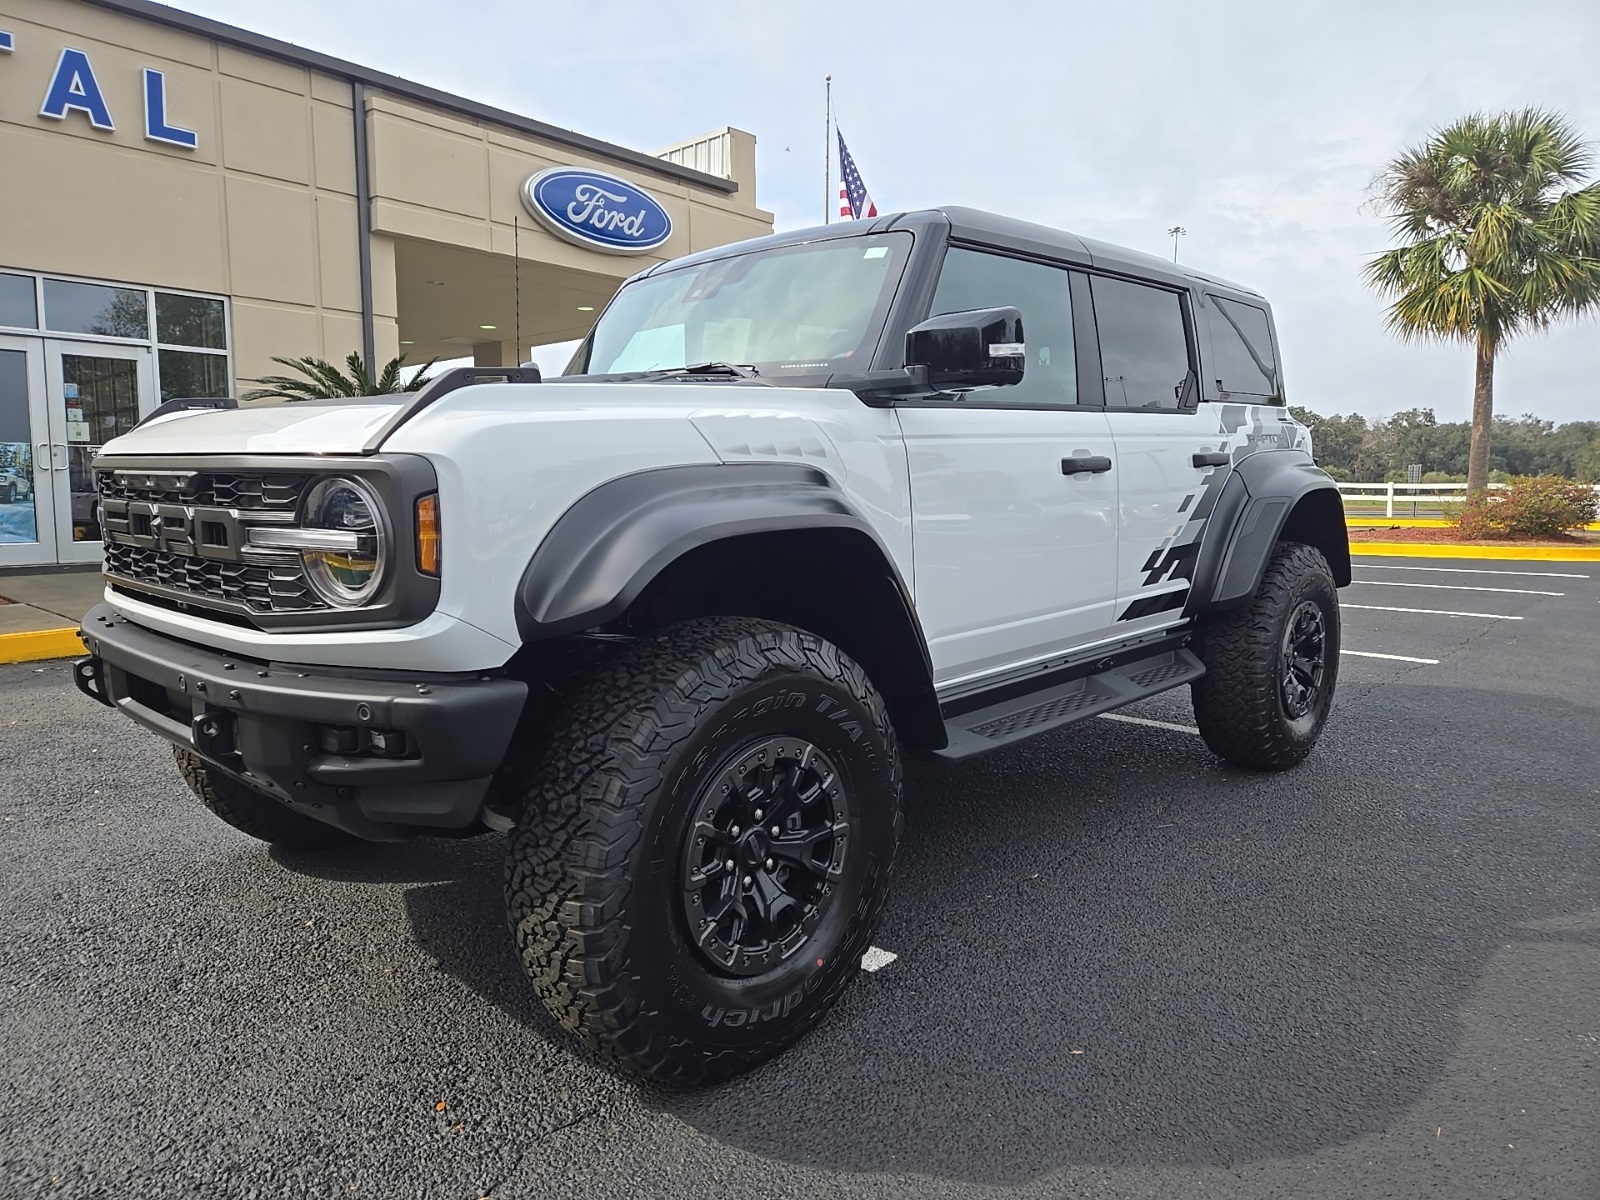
{"x": 41, "y": 458}
{"x": 1092, "y": 464}
{"x": 1212, "y": 458}
{"x": 58, "y": 457}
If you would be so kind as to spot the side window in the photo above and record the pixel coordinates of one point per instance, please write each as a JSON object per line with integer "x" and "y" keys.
{"x": 1241, "y": 344}
{"x": 1144, "y": 352}
{"x": 972, "y": 279}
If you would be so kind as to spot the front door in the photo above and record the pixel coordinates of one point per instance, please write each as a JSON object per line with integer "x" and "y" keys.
{"x": 1013, "y": 491}
{"x": 95, "y": 392}
{"x": 27, "y": 526}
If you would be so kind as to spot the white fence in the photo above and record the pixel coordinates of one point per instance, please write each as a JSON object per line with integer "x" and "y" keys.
{"x": 1429, "y": 495}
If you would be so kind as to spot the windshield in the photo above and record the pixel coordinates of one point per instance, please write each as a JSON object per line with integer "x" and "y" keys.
{"x": 807, "y": 309}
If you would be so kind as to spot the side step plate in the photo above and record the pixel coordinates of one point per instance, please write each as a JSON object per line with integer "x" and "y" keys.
{"x": 1022, "y": 717}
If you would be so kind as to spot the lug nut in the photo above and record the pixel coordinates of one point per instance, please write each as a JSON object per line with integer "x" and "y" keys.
{"x": 776, "y": 831}
{"x": 734, "y": 831}
{"x": 728, "y": 866}
{"x": 758, "y": 814}
{"x": 747, "y": 881}
{"x": 769, "y": 864}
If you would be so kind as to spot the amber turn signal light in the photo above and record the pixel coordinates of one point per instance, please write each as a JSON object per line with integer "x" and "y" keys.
{"x": 428, "y": 536}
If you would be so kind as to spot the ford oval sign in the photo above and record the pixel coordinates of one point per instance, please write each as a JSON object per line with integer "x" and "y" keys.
{"x": 597, "y": 210}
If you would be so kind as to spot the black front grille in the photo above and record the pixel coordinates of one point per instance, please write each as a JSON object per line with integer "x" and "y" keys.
{"x": 192, "y": 544}
{"x": 225, "y": 489}
{"x": 260, "y": 587}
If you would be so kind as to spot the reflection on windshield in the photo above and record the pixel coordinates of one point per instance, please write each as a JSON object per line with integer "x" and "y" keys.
{"x": 801, "y": 310}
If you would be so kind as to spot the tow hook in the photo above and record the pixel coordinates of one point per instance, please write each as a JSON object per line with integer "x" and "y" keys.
{"x": 213, "y": 736}
{"x": 90, "y": 676}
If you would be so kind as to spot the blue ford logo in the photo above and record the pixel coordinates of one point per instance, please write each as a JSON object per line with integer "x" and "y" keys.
{"x": 597, "y": 210}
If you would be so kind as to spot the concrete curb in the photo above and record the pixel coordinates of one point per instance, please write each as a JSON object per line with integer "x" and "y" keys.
{"x": 37, "y": 644}
{"x": 1509, "y": 553}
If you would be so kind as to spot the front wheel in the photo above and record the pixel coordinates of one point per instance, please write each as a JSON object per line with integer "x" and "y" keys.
{"x": 703, "y": 858}
{"x": 1271, "y": 665}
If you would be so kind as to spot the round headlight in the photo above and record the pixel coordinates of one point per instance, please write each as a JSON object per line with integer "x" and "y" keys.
{"x": 347, "y": 570}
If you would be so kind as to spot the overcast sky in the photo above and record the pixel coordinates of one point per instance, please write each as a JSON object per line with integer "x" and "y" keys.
{"x": 1255, "y": 124}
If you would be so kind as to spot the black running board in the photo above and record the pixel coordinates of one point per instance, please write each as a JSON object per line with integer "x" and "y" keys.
{"x": 1023, "y": 717}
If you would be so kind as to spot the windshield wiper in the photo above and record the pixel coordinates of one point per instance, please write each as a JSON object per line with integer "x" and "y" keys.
{"x": 746, "y": 371}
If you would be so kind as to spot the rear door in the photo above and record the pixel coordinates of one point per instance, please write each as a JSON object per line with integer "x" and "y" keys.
{"x": 1170, "y": 456}
{"x": 1015, "y": 557}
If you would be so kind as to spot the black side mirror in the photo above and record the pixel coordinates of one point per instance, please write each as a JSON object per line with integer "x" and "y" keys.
{"x": 964, "y": 350}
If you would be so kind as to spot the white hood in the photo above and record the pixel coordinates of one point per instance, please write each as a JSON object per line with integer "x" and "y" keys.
{"x": 300, "y": 428}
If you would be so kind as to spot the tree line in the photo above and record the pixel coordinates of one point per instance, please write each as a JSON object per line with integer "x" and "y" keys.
{"x": 1353, "y": 449}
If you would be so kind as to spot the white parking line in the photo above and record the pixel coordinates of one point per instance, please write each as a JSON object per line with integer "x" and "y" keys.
{"x": 1372, "y": 566}
{"x": 1432, "y": 612}
{"x": 876, "y": 958}
{"x": 1427, "y": 662}
{"x": 1147, "y": 721}
{"x": 1454, "y": 587}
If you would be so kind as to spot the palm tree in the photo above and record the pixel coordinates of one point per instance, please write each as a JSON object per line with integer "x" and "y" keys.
{"x": 1492, "y": 244}
{"x": 324, "y": 381}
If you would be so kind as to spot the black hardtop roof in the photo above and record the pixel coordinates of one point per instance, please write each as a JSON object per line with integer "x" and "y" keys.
{"x": 989, "y": 229}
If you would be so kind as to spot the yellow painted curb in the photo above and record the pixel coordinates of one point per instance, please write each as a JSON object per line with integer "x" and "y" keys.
{"x": 40, "y": 643}
{"x": 1512, "y": 553}
{"x": 1354, "y": 521}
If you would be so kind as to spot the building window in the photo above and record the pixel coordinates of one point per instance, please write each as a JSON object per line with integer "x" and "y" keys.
{"x": 96, "y": 309}
{"x": 187, "y": 327}
{"x": 17, "y": 308}
{"x": 185, "y": 373}
{"x": 190, "y": 321}
{"x": 190, "y": 335}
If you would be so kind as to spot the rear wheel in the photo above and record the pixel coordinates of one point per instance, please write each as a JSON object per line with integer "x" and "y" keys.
{"x": 1271, "y": 666}
{"x": 250, "y": 812}
{"x": 704, "y": 857}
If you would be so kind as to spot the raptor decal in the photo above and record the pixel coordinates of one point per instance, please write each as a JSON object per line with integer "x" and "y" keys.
{"x": 1242, "y": 429}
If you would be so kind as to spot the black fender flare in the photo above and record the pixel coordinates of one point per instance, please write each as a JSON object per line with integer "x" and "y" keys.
{"x": 1269, "y": 494}
{"x": 604, "y": 550}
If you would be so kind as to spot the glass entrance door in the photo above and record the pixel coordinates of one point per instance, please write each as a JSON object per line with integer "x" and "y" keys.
{"x": 96, "y": 392}
{"x": 27, "y": 528}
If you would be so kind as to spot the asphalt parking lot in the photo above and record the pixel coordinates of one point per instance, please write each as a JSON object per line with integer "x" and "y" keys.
{"x": 1121, "y": 969}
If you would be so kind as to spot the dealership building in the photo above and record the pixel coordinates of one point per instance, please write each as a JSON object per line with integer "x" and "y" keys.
{"x": 182, "y": 200}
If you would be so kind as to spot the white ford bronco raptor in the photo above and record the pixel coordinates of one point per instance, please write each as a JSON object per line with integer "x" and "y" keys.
{"x": 933, "y": 483}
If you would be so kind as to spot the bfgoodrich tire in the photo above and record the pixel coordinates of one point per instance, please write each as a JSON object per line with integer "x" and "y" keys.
{"x": 1271, "y": 666}
{"x": 705, "y": 854}
{"x": 250, "y": 812}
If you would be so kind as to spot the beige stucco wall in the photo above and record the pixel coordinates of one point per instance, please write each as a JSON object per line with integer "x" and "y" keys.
{"x": 264, "y": 210}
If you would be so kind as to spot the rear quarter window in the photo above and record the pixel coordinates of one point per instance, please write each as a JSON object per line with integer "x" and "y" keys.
{"x": 1243, "y": 358}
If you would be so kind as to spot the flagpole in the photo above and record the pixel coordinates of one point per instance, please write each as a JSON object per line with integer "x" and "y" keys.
{"x": 827, "y": 150}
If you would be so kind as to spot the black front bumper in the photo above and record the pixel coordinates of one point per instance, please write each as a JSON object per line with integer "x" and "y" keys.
{"x": 271, "y": 725}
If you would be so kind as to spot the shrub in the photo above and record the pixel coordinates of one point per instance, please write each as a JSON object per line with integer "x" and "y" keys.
{"x": 1529, "y": 506}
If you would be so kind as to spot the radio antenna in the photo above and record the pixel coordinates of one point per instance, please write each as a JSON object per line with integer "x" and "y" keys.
{"x": 516, "y": 281}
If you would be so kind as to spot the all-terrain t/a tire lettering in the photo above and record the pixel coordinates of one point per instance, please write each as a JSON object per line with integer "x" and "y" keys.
{"x": 1271, "y": 666}
{"x": 659, "y": 772}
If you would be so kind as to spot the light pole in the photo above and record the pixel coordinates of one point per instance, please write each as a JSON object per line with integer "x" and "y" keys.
{"x": 1176, "y": 232}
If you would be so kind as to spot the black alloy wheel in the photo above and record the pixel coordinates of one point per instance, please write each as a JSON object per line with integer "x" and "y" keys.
{"x": 1305, "y": 649}
{"x": 763, "y": 855}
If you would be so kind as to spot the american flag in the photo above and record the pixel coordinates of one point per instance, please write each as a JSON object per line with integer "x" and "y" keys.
{"x": 854, "y": 202}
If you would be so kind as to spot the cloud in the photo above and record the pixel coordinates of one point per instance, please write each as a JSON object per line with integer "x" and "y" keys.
{"x": 1255, "y": 124}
